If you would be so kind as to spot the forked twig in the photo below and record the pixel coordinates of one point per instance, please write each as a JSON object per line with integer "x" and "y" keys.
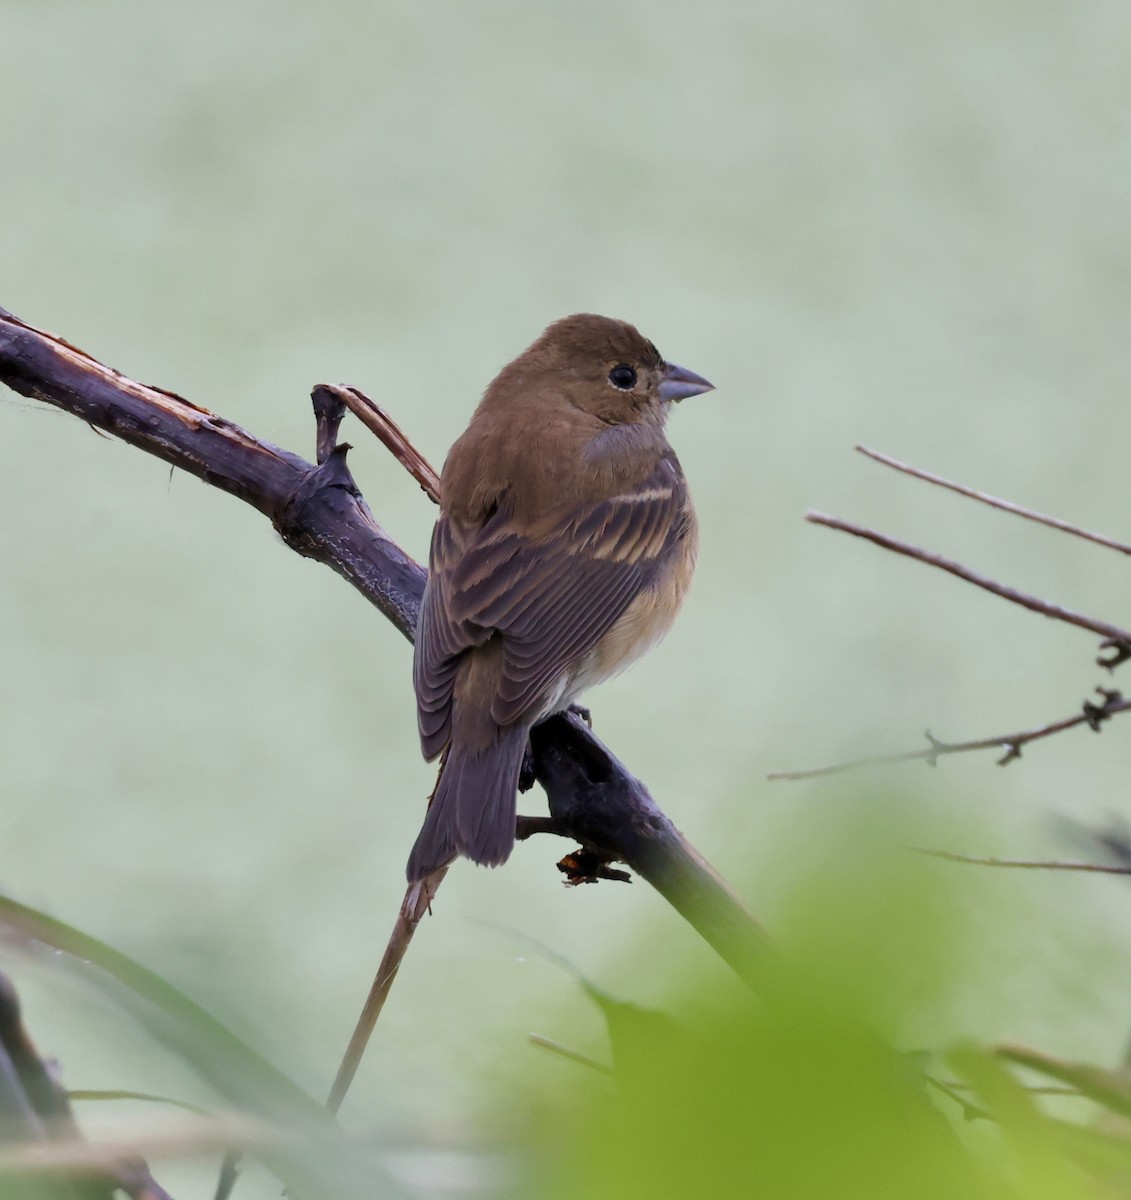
{"x": 994, "y": 501}
{"x": 378, "y": 422}
{"x": 1110, "y": 1088}
{"x": 970, "y": 1110}
{"x": 1115, "y": 647}
{"x": 1093, "y": 715}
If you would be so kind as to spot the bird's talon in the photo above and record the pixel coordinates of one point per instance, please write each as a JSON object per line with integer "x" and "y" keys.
{"x": 579, "y": 710}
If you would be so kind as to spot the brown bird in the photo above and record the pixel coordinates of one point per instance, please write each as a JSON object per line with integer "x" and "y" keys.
{"x": 565, "y": 544}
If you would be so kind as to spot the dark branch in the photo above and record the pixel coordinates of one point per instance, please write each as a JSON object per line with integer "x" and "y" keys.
{"x": 320, "y": 513}
{"x": 318, "y": 510}
{"x": 595, "y": 800}
{"x": 35, "y": 1109}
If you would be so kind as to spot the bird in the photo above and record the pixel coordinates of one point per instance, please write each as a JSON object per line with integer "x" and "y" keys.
{"x": 564, "y": 547}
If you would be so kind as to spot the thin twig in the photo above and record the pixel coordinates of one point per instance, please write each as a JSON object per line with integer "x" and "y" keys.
{"x": 229, "y": 1174}
{"x": 1117, "y": 638}
{"x": 995, "y": 502}
{"x": 1033, "y": 1089}
{"x": 970, "y": 1110}
{"x": 1112, "y": 1089}
{"x": 565, "y": 1052}
{"x": 419, "y": 896}
{"x": 416, "y": 901}
{"x": 1031, "y": 864}
{"x": 975, "y": 1112}
{"x": 1093, "y": 715}
{"x": 378, "y": 422}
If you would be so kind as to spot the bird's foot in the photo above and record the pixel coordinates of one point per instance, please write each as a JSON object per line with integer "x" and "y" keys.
{"x": 579, "y": 710}
{"x": 590, "y": 866}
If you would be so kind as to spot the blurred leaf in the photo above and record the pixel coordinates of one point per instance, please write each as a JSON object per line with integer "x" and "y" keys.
{"x": 1110, "y": 1088}
{"x": 312, "y": 1155}
{"x": 790, "y": 1099}
{"x": 1036, "y": 1155}
{"x": 807, "y": 1092}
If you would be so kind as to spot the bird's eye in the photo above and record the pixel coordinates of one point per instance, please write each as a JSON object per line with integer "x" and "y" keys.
{"x": 622, "y": 376}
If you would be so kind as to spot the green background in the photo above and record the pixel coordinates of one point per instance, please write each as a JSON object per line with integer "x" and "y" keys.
{"x": 897, "y": 224}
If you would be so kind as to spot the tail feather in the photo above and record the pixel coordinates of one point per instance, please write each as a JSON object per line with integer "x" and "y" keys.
{"x": 473, "y": 807}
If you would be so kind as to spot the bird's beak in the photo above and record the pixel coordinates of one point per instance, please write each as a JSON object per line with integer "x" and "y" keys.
{"x": 678, "y": 383}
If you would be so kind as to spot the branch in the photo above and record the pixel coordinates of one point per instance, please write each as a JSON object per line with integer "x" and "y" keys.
{"x": 537, "y": 1039}
{"x": 1030, "y": 864}
{"x": 1115, "y": 638}
{"x": 1018, "y": 510}
{"x": 598, "y": 802}
{"x": 1112, "y": 1089}
{"x": 318, "y": 510}
{"x": 1092, "y": 715}
{"x": 36, "y": 1115}
{"x": 320, "y": 513}
{"x": 1116, "y": 641}
{"x": 378, "y": 422}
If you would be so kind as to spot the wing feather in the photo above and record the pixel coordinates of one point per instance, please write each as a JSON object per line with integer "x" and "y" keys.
{"x": 552, "y": 590}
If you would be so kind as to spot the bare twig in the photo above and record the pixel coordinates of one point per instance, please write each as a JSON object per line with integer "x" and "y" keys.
{"x": 328, "y": 406}
{"x": 1115, "y": 638}
{"x": 1051, "y": 1089}
{"x": 1031, "y": 864}
{"x": 1093, "y": 715}
{"x": 970, "y": 1110}
{"x": 995, "y": 502}
{"x": 975, "y": 1112}
{"x": 576, "y": 1056}
{"x": 415, "y": 905}
{"x": 378, "y": 422}
{"x": 1111, "y": 1088}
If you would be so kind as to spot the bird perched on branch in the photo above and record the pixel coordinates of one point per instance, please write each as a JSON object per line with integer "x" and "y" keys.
{"x": 565, "y": 544}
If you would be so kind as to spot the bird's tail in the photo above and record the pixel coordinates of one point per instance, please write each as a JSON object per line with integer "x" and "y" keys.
{"x": 473, "y": 807}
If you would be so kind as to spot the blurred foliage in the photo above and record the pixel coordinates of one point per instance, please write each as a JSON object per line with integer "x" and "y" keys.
{"x": 898, "y": 224}
{"x": 806, "y": 1091}
{"x": 810, "y": 1088}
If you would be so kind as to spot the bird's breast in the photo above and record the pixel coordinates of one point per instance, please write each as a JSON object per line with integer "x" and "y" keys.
{"x": 643, "y": 624}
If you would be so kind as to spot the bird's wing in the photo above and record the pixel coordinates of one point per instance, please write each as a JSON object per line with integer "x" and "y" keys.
{"x": 551, "y": 588}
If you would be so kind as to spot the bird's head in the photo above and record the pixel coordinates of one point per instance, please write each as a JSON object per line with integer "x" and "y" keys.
{"x": 604, "y": 367}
